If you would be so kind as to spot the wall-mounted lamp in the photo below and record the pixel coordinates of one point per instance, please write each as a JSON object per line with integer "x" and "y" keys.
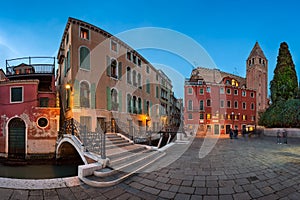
{"x": 68, "y": 86}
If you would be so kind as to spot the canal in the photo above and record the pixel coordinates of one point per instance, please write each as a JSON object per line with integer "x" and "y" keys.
{"x": 43, "y": 171}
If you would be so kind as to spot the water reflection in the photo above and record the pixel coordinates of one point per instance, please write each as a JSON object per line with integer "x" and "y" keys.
{"x": 38, "y": 171}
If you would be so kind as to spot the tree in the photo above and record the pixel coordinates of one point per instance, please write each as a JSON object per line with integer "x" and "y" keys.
{"x": 284, "y": 85}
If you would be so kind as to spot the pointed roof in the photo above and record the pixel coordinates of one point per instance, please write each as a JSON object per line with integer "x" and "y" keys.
{"x": 257, "y": 51}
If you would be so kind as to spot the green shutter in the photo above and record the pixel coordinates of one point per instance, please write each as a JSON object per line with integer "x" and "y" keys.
{"x": 108, "y": 66}
{"x": 145, "y": 106}
{"x": 68, "y": 60}
{"x": 120, "y": 101}
{"x": 76, "y": 93}
{"x": 93, "y": 96}
{"x": 108, "y": 96}
{"x": 120, "y": 71}
{"x": 65, "y": 67}
{"x": 150, "y": 110}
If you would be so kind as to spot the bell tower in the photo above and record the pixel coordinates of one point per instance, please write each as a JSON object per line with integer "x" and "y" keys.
{"x": 257, "y": 77}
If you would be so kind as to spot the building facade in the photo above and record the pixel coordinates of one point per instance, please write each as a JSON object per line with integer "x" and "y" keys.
{"x": 101, "y": 80}
{"x": 216, "y": 101}
{"x": 29, "y": 109}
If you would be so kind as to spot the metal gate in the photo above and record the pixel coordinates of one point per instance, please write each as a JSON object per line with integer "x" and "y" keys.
{"x": 16, "y": 138}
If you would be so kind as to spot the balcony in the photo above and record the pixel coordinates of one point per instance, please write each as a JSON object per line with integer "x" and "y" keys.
{"x": 30, "y": 65}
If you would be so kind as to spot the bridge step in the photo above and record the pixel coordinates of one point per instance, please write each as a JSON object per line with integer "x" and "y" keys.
{"x": 126, "y": 159}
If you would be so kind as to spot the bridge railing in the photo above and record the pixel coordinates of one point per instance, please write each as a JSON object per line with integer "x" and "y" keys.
{"x": 92, "y": 141}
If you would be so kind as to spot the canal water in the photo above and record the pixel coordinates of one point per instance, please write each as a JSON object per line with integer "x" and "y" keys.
{"x": 38, "y": 171}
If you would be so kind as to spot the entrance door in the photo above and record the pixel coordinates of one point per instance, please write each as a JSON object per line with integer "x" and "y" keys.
{"x": 216, "y": 129}
{"x": 16, "y": 138}
{"x": 228, "y": 127}
{"x": 101, "y": 123}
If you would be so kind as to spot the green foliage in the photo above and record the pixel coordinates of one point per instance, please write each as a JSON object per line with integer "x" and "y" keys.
{"x": 285, "y": 96}
{"x": 284, "y": 85}
{"x": 282, "y": 114}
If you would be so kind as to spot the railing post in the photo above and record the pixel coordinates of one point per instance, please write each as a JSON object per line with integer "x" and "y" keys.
{"x": 72, "y": 125}
{"x": 103, "y": 153}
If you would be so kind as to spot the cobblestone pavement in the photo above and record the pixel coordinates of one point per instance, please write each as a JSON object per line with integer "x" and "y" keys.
{"x": 253, "y": 168}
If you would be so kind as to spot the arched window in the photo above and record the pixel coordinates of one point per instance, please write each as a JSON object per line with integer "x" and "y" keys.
{"x": 134, "y": 78}
{"x": 128, "y": 75}
{"x": 113, "y": 68}
{"x": 114, "y": 100}
{"x": 134, "y": 104}
{"x": 139, "y": 105}
{"x": 129, "y": 108}
{"x": 139, "y": 81}
{"x": 84, "y": 57}
{"x": 84, "y": 95}
{"x": 208, "y": 102}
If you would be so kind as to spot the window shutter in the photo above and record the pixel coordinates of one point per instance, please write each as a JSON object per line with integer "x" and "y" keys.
{"x": 68, "y": 60}
{"x": 150, "y": 110}
{"x": 65, "y": 67}
{"x": 93, "y": 96}
{"x": 120, "y": 101}
{"x": 108, "y": 96}
{"x": 76, "y": 93}
{"x": 120, "y": 71}
{"x": 108, "y": 72}
{"x": 145, "y": 106}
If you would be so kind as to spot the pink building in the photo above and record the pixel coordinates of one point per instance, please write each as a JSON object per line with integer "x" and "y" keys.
{"x": 28, "y": 109}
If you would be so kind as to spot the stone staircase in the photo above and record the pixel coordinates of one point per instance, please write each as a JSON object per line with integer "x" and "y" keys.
{"x": 126, "y": 159}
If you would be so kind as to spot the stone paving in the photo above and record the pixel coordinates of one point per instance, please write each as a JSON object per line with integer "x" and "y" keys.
{"x": 241, "y": 169}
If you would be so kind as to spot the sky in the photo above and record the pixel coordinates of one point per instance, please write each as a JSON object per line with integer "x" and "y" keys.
{"x": 227, "y": 30}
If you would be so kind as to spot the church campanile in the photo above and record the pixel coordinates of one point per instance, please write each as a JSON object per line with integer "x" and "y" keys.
{"x": 257, "y": 77}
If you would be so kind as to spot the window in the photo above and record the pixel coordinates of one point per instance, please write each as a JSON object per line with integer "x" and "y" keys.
{"x": 114, "y": 100}
{"x": 201, "y": 116}
{"x": 148, "y": 69}
{"x": 129, "y": 109}
{"x": 84, "y": 33}
{"x": 252, "y": 106}
{"x": 139, "y": 106}
{"x": 84, "y": 54}
{"x": 84, "y": 95}
{"x": 139, "y": 62}
{"x": 190, "y": 105}
{"x": 134, "y": 58}
{"x": 201, "y": 91}
{"x": 236, "y": 104}
{"x": 113, "y": 46}
{"x": 228, "y": 91}
{"x": 148, "y": 86}
{"x": 222, "y": 103}
{"x": 208, "y": 90}
{"x": 42, "y": 122}
{"x": 139, "y": 80}
{"x": 156, "y": 92}
{"x": 221, "y": 90}
{"x": 208, "y": 116}
{"x": 113, "y": 68}
{"x": 134, "y": 103}
{"x": 190, "y": 90}
{"x": 128, "y": 74}
{"x": 236, "y": 92}
{"x": 244, "y": 105}
{"x": 228, "y": 104}
{"x": 134, "y": 78}
{"x": 201, "y": 105}
{"x": 252, "y": 95}
{"x": 200, "y": 82}
{"x": 208, "y": 102}
{"x": 243, "y": 93}
{"x": 44, "y": 102}
{"x": 128, "y": 56}
{"x": 16, "y": 94}
{"x": 190, "y": 116}
{"x": 68, "y": 65}
{"x": 244, "y": 117}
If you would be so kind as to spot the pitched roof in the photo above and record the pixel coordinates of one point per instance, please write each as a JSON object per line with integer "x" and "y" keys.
{"x": 257, "y": 51}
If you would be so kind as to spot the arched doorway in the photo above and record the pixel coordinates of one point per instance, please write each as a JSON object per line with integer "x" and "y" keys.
{"x": 16, "y": 138}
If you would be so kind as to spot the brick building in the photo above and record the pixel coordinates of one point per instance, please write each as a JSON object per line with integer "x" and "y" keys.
{"x": 29, "y": 112}
{"x": 107, "y": 82}
{"x": 216, "y": 101}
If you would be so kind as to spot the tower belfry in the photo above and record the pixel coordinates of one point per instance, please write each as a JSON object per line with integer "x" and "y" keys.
{"x": 257, "y": 76}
